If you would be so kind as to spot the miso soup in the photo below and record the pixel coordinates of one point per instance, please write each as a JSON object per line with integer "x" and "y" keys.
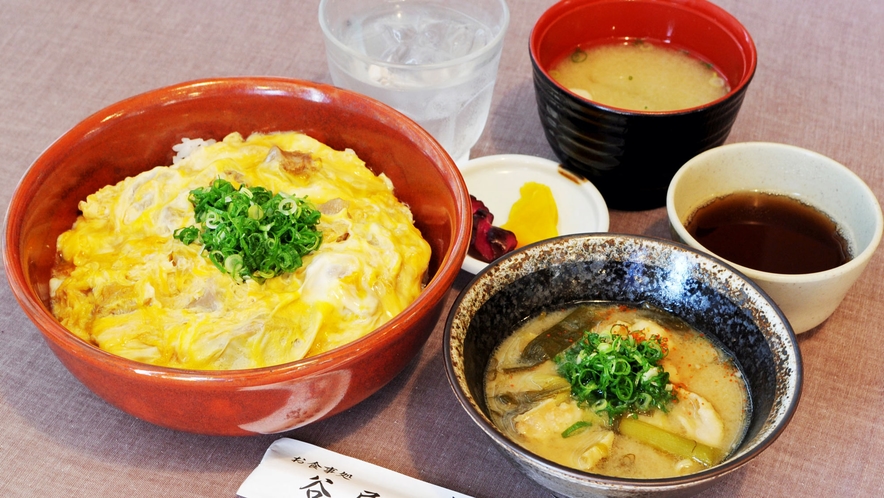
{"x": 641, "y": 76}
{"x": 568, "y": 386}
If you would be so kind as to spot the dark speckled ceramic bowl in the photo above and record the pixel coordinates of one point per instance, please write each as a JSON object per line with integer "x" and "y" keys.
{"x": 704, "y": 291}
{"x": 630, "y": 156}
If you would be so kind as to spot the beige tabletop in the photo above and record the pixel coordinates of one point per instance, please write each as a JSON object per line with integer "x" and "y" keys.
{"x": 819, "y": 85}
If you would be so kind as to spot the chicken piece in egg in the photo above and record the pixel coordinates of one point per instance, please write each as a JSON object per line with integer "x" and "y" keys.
{"x": 125, "y": 284}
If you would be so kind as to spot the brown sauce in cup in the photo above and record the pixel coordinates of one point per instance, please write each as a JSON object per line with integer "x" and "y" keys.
{"x": 769, "y": 232}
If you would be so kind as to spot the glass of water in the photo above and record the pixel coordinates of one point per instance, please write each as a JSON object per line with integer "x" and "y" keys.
{"x": 433, "y": 60}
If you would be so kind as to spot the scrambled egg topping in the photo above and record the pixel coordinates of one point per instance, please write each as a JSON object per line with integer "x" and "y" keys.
{"x": 126, "y": 285}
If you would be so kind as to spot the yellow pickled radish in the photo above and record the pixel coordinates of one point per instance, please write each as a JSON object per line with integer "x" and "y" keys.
{"x": 534, "y": 216}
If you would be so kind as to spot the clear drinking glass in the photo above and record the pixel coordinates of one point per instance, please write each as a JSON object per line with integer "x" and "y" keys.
{"x": 433, "y": 60}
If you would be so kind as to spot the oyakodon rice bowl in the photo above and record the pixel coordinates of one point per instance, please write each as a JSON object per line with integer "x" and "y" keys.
{"x": 132, "y": 136}
{"x": 239, "y": 295}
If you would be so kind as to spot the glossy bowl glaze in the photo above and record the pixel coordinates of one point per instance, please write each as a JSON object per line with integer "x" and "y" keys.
{"x": 704, "y": 291}
{"x": 136, "y": 134}
{"x": 631, "y": 155}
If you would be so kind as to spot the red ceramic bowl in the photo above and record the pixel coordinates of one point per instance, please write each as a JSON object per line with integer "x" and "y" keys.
{"x": 137, "y": 134}
{"x": 631, "y": 156}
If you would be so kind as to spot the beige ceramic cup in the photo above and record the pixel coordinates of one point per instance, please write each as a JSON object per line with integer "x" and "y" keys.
{"x": 806, "y": 299}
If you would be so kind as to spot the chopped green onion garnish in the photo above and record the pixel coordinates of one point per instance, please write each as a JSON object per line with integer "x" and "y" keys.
{"x": 251, "y": 233}
{"x": 576, "y": 428}
{"x": 578, "y": 55}
{"x": 617, "y": 371}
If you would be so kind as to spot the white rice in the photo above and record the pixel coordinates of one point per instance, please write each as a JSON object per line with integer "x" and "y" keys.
{"x": 187, "y": 146}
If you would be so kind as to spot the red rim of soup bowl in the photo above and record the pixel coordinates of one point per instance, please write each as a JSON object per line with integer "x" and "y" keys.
{"x": 698, "y": 26}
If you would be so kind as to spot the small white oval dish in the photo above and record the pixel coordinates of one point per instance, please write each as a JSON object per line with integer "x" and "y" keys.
{"x": 496, "y": 180}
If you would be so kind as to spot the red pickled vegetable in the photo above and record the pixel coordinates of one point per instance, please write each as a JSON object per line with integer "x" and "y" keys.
{"x": 487, "y": 241}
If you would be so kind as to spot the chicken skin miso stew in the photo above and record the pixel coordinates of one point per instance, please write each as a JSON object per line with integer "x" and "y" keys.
{"x": 619, "y": 390}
